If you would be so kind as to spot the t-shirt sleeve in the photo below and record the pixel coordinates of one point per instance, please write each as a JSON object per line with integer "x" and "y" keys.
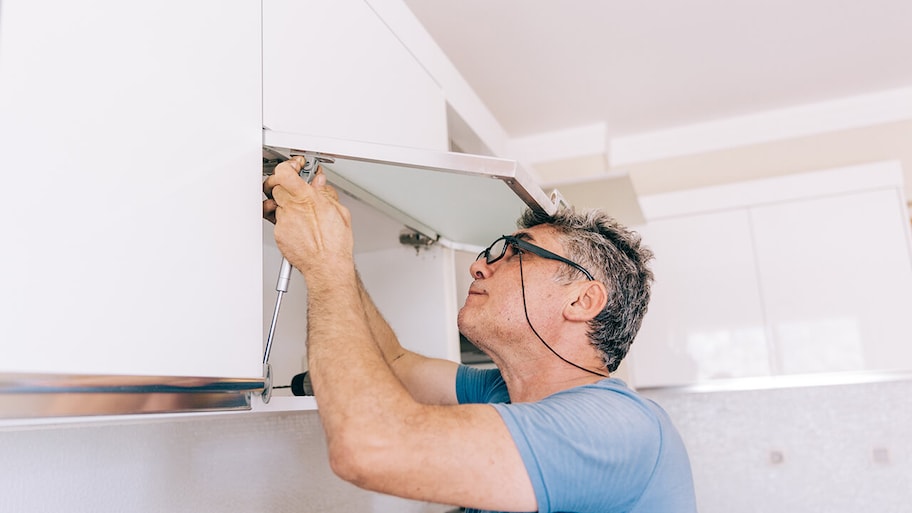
{"x": 580, "y": 448}
{"x": 475, "y": 385}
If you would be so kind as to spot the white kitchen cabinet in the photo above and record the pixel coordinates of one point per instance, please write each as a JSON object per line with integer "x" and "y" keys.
{"x": 705, "y": 320}
{"x": 333, "y": 69}
{"x": 130, "y": 150}
{"x": 838, "y": 291}
{"x": 798, "y": 275}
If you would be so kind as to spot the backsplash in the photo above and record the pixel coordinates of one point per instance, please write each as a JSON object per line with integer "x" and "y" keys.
{"x": 251, "y": 463}
{"x": 832, "y": 448}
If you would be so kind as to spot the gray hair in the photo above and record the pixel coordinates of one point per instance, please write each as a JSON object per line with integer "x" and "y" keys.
{"x": 616, "y": 257}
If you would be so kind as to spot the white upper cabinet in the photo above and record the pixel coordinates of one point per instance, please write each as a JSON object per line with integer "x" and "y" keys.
{"x": 333, "y": 69}
{"x": 798, "y": 275}
{"x": 705, "y": 320}
{"x": 130, "y": 150}
{"x": 840, "y": 297}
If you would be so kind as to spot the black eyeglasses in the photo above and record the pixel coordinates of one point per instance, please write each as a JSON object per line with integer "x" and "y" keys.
{"x": 498, "y": 249}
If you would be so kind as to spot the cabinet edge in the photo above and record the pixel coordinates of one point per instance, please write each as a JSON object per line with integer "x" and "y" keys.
{"x": 26, "y": 396}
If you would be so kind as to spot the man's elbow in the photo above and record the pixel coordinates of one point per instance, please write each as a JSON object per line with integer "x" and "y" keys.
{"x": 356, "y": 457}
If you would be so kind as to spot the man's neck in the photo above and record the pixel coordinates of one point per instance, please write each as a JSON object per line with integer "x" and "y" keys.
{"x": 532, "y": 381}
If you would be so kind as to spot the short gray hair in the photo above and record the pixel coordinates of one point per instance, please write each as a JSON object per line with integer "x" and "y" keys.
{"x": 615, "y": 256}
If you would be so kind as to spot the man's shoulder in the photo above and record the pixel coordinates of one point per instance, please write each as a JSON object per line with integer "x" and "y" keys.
{"x": 611, "y": 392}
{"x": 608, "y": 408}
{"x": 480, "y": 385}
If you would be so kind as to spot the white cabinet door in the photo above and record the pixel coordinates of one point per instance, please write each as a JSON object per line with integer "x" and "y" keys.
{"x": 332, "y": 68}
{"x": 837, "y": 282}
{"x": 130, "y": 150}
{"x": 705, "y": 318}
{"x": 789, "y": 276}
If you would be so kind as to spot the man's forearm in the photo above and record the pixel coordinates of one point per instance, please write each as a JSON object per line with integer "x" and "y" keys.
{"x": 347, "y": 366}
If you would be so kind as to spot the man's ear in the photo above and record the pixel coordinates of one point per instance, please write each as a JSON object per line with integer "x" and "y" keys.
{"x": 592, "y": 296}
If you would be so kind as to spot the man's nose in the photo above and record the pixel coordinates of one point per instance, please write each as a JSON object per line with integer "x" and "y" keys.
{"x": 480, "y": 268}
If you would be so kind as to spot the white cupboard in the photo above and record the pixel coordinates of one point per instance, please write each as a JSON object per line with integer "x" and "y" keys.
{"x": 705, "y": 320}
{"x": 798, "y": 275}
{"x": 334, "y": 69}
{"x": 130, "y": 150}
{"x": 841, "y": 293}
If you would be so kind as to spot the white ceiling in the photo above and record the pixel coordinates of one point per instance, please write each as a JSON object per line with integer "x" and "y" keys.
{"x": 641, "y": 66}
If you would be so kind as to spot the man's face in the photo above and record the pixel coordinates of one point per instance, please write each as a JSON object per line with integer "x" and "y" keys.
{"x": 494, "y": 307}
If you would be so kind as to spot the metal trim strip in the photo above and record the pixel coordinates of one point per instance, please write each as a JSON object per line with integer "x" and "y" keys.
{"x": 25, "y": 395}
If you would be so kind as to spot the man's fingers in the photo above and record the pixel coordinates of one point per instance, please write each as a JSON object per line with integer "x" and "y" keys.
{"x": 279, "y": 175}
{"x": 285, "y": 186}
{"x": 286, "y": 174}
{"x": 267, "y": 186}
{"x": 269, "y": 210}
{"x": 319, "y": 183}
{"x": 319, "y": 179}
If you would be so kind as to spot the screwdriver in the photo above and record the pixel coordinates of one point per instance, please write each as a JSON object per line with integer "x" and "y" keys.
{"x": 308, "y": 170}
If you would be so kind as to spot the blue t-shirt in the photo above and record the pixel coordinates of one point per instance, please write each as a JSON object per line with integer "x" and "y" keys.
{"x": 593, "y": 448}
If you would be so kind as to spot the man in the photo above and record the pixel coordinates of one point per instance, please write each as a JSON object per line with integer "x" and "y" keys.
{"x": 549, "y": 431}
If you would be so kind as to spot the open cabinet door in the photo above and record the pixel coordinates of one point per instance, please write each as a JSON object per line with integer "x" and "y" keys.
{"x": 464, "y": 199}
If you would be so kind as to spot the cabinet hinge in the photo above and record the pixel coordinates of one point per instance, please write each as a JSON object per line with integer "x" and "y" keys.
{"x": 410, "y": 237}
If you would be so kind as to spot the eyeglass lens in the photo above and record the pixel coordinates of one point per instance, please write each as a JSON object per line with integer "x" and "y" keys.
{"x": 497, "y": 250}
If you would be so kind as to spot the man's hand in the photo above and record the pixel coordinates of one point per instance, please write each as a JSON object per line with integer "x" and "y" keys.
{"x": 313, "y": 230}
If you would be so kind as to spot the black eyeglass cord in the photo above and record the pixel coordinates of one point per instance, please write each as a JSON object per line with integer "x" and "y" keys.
{"x": 522, "y": 283}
